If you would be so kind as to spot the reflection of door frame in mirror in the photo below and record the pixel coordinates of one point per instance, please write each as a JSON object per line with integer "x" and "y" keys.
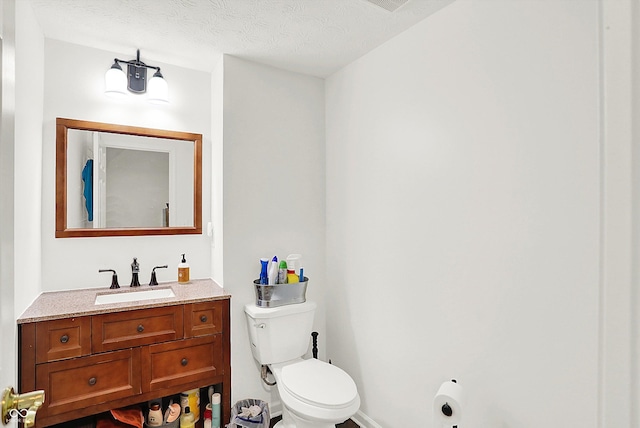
{"x": 100, "y": 153}
{"x": 63, "y": 125}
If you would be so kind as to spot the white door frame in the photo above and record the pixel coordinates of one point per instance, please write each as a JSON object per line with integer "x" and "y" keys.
{"x": 8, "y": 329}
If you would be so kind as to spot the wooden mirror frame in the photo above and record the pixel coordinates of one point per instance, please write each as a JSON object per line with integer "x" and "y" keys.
{"x": 63, "y": 125}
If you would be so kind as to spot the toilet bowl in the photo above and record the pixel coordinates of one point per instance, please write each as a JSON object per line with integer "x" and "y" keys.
{"x": 314, "y": 394}
{"x": 316, "y": 391}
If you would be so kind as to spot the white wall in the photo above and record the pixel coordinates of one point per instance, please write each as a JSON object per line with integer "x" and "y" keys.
{"x": 635, "y": 127}
{"x": 618, "y": 400}
{"x": 29, "y": 85}
{"x": 74, "y": 78}
{"x": 273, "y": 193}
{"x": 217, "y": 170}
{"x": 463, "y": 216}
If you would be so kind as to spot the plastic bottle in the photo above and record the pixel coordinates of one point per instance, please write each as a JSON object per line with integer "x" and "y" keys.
{"x": 207, "y": 417}
{"x": 293, "y": 261}
{"x": 292, "y": 277}
{"x": 183, "y": 271}
{"x": 191, "y": 399}
{"x": 210, "y": 393}
{"x": 215, "y": 410}
{"x": 187, "y": 420}
{"x": 154, "y": 418}
{"x": 264, "y": 276}
{"x": 273, "y": 271}
{"x": 282, "y": 273}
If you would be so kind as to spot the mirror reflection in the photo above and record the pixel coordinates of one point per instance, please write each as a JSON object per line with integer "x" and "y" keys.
{"x": 118, "y": 180}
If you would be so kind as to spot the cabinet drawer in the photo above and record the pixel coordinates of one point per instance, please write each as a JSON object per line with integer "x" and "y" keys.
{"x": 201, "y": 319}
{"x": 171, "y": 364}
{"x": 135, "y": 328}
{"x": 60, "y": 339}
{"x": 81, "y": 382}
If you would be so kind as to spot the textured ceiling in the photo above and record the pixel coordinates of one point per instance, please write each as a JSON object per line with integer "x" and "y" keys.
{"x": 315, "y": 37}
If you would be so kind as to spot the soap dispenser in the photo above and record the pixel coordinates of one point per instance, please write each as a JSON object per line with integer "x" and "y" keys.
{"x": 183, "y": 271}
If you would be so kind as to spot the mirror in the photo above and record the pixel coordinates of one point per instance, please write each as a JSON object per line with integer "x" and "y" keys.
{"x": 115, "y": 180}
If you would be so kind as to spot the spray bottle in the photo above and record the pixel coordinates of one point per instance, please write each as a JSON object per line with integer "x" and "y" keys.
{"x": 273, "y": 271}
{"x": 264, "y": 276}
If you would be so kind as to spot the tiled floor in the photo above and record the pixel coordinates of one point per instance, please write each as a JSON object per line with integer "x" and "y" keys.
{"x": 347, "y": 424}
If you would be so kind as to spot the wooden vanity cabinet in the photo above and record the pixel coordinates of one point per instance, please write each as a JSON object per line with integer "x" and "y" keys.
{"x": 90, "y": 364}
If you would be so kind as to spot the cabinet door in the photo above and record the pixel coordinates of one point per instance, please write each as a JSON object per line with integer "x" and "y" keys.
{"x": 82, "y": 382}
{"x": 171, "y": 364}
{"x": 201, "y": 319}
{"x": 65, "y": 338}
{"x": 121, "y": 330}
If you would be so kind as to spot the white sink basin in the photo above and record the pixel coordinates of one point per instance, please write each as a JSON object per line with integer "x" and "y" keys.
{"x": 134, "y": 296}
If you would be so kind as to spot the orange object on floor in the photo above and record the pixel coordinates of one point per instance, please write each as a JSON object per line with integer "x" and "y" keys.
{"x": 122, "y": 418}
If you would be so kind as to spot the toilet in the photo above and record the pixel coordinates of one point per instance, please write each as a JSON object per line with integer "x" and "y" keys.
{"x": 314, "y": 394}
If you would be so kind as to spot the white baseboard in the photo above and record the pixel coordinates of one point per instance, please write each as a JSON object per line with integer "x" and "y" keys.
{"x": 275, "y": 409}
{"x": 364, "y": 421}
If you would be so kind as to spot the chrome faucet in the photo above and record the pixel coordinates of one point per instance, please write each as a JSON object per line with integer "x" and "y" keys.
{"x": 135, "y": 270}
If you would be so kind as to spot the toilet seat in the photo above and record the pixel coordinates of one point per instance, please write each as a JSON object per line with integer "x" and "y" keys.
{"x": 319, "y": 384}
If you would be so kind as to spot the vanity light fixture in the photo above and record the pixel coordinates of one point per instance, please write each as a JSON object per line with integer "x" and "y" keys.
{"x": 116, "y": 82}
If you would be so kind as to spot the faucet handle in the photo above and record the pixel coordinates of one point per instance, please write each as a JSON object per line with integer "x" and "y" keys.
{"x": 114, "y": 278}
{"x": 154, "y": 281}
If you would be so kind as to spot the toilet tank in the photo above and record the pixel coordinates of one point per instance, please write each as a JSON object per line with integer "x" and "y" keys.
{"x": 279, "y": 334}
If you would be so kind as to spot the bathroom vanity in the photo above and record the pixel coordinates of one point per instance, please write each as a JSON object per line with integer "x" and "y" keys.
{"x": 91, "y": 357}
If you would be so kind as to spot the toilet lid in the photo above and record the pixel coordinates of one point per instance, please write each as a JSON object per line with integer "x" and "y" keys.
{"x": 319, "y": 383}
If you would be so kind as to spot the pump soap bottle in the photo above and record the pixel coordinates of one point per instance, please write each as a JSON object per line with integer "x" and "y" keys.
{"x": 183, "y": 271}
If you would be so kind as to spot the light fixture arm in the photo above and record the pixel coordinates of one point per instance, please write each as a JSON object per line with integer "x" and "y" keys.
{"x": 135, "y": 62}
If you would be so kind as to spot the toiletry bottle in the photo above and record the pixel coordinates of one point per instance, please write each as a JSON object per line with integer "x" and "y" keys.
{"x": 155, "y": 415}
{"x": 207, "y": 416}
{"x": 273, "y": 271}
{"x": 187, "y": 420}
{"x": 210, "y": 392}
{"x": 183, "y": 271}
{"x": 293, "y": 261}
{"x": 191, "y": 399}
{"x": 282, "y": 273}
{"x": 215, "y": 410}
{"x": 292, "y": 278}
{"x": 264, "y": 276}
